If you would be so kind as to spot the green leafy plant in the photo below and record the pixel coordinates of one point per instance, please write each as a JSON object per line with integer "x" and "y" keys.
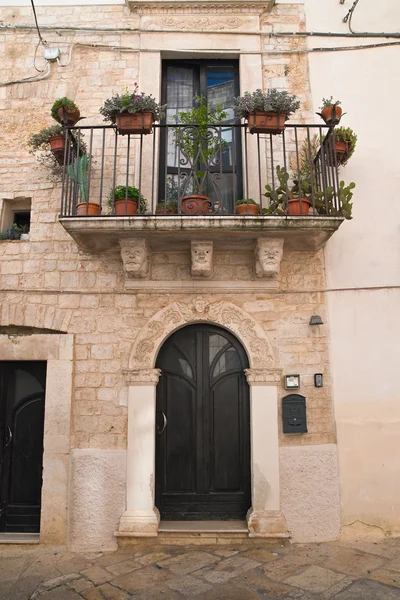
{"x": 78, "y": 172}
{"x": 131, "y": 102}
{"x": 121, "y": 192}
{"x": 3, "y": 235}
{"x": 199, "y": 141}
{"x": 245, "y": 201}
{"x": 346, "y": 135}
{"x": 329, "y": 102}
{"x": 64, "y": 102}
{"x": 271, "y": 101}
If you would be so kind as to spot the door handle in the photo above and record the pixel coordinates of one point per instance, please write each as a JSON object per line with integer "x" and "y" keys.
{"x": 9, "y": 436}
{"x": 165, "y": 422}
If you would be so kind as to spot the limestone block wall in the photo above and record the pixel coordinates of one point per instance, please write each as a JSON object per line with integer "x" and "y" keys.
{"x": 50, "y": 283}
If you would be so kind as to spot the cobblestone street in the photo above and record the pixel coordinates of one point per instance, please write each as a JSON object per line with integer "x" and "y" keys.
{"x": 363, "y": 570}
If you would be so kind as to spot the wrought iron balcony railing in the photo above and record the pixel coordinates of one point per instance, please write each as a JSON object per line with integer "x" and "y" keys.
{"x": 206, "y": 170}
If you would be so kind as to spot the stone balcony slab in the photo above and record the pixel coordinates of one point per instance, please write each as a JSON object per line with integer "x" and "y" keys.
{"x": 163, "y": 233}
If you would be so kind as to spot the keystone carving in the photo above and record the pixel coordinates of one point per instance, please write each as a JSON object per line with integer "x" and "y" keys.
{"x": 268, "y": 253}
{"x": 136, "y": 258}
{"x": 201, "y": 259}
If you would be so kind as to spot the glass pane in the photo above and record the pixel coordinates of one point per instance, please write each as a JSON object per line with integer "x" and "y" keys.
{"x": 186, "y": 368}
{"x": 180, "y": 92}
{"x": 25, "y": 385}
{"x": 215, "y": 344}
{"x": 229, "y": 360}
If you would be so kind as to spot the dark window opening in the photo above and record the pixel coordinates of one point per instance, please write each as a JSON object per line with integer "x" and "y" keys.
{"x": 23, "y": 219}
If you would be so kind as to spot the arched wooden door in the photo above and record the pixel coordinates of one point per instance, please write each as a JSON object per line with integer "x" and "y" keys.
{"x": 203, "y": 426}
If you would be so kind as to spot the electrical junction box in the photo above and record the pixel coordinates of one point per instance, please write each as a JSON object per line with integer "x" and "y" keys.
{"x": 51, "y": 53}
{"x": 294, "y": 414}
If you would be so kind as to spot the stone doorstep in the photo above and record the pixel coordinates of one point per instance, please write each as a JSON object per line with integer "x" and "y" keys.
{"x": 198, "y": 533}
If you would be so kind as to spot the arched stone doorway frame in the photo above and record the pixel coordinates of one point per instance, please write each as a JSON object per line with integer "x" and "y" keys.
{"x": 141, "y": 516}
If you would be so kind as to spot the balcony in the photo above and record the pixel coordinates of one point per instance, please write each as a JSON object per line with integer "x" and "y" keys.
{"x": 289, "y": 183}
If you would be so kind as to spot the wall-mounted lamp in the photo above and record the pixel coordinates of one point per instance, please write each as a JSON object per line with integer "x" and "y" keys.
{"x": 316, "y": 320}
{"x": 292, "y": 382}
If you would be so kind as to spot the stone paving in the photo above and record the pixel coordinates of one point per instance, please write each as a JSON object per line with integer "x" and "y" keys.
{"x": 357, "y": 570}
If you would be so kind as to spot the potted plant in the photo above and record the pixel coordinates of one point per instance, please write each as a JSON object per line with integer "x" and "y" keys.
{"x": 14, "y": 232}
{"x": 78, "y": 172}
{"x": 132, "y": 112}
{"x": 288, "y": 199}
{"x": 330, "y": 111}
{"x": 266, "y": 112}
{"x": 169, "y": 207}
{"x": 345, "y": 142}
{"x": 124, "y": 199}
{"x": 49, "y": 139}
{"x": 199, "y": 143}
{"x": 247, "y": 206}
{"x": 65, "y": 111}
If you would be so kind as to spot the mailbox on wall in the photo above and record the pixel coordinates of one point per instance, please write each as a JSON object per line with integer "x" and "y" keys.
{"x": 294, "y": 414}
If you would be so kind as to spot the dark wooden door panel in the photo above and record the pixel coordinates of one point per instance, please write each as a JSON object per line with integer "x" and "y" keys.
{"x": 22, "y": 390}
{"x": 203, "y": 456}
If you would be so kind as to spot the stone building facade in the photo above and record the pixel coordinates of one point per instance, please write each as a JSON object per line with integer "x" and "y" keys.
{"x": 100, "y": 329}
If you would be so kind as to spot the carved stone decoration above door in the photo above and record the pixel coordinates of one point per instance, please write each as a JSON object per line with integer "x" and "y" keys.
{"x": 229, "y": 315}
{"x": 224, "y": 7}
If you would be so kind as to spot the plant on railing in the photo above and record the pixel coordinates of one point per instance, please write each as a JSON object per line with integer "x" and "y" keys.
{"x": 348, "y": 139}
{"x": 266, "y": 112}
{"x": 65, "y": 109}
{"x": 330, "y": 111}
{"x": 120, "y": 108}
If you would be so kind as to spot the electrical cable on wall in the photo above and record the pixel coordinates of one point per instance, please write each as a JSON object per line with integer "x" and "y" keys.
{"x": 37, "y": 25}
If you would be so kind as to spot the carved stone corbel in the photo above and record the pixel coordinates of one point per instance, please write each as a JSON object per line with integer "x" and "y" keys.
{"x": 201, "y": 259}
{"x": 268, "y": 254}
{"x": 136, "y": 258}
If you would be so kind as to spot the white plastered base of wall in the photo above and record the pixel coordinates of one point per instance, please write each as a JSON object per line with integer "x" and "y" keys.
{"x": 310, "y": 492}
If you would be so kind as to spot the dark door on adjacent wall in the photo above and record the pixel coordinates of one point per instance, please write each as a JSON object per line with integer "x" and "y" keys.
{"x": 203, "y": 426}
{"x": 22, "y": 391}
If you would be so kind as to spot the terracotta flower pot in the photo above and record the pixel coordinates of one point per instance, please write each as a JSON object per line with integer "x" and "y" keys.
{"x": 57, "y": 143}
{"x": 196, "y": 204}
{"x": 87, "y": 208}
{"x": 266, "y": 122}
{"x": 139, "y": 122}
{"x": 125, "y": 207}
{"x": 73, "y": 114}
{"x": 295, "y": 207}
{"x": 331, "y": 114}
{"x": 247, "y": 209}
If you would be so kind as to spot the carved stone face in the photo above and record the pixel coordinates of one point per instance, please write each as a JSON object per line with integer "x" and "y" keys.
{"x": 268, "y": 256}
{"x": 136, "y": 257}
{"x": 202, "y": 258}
